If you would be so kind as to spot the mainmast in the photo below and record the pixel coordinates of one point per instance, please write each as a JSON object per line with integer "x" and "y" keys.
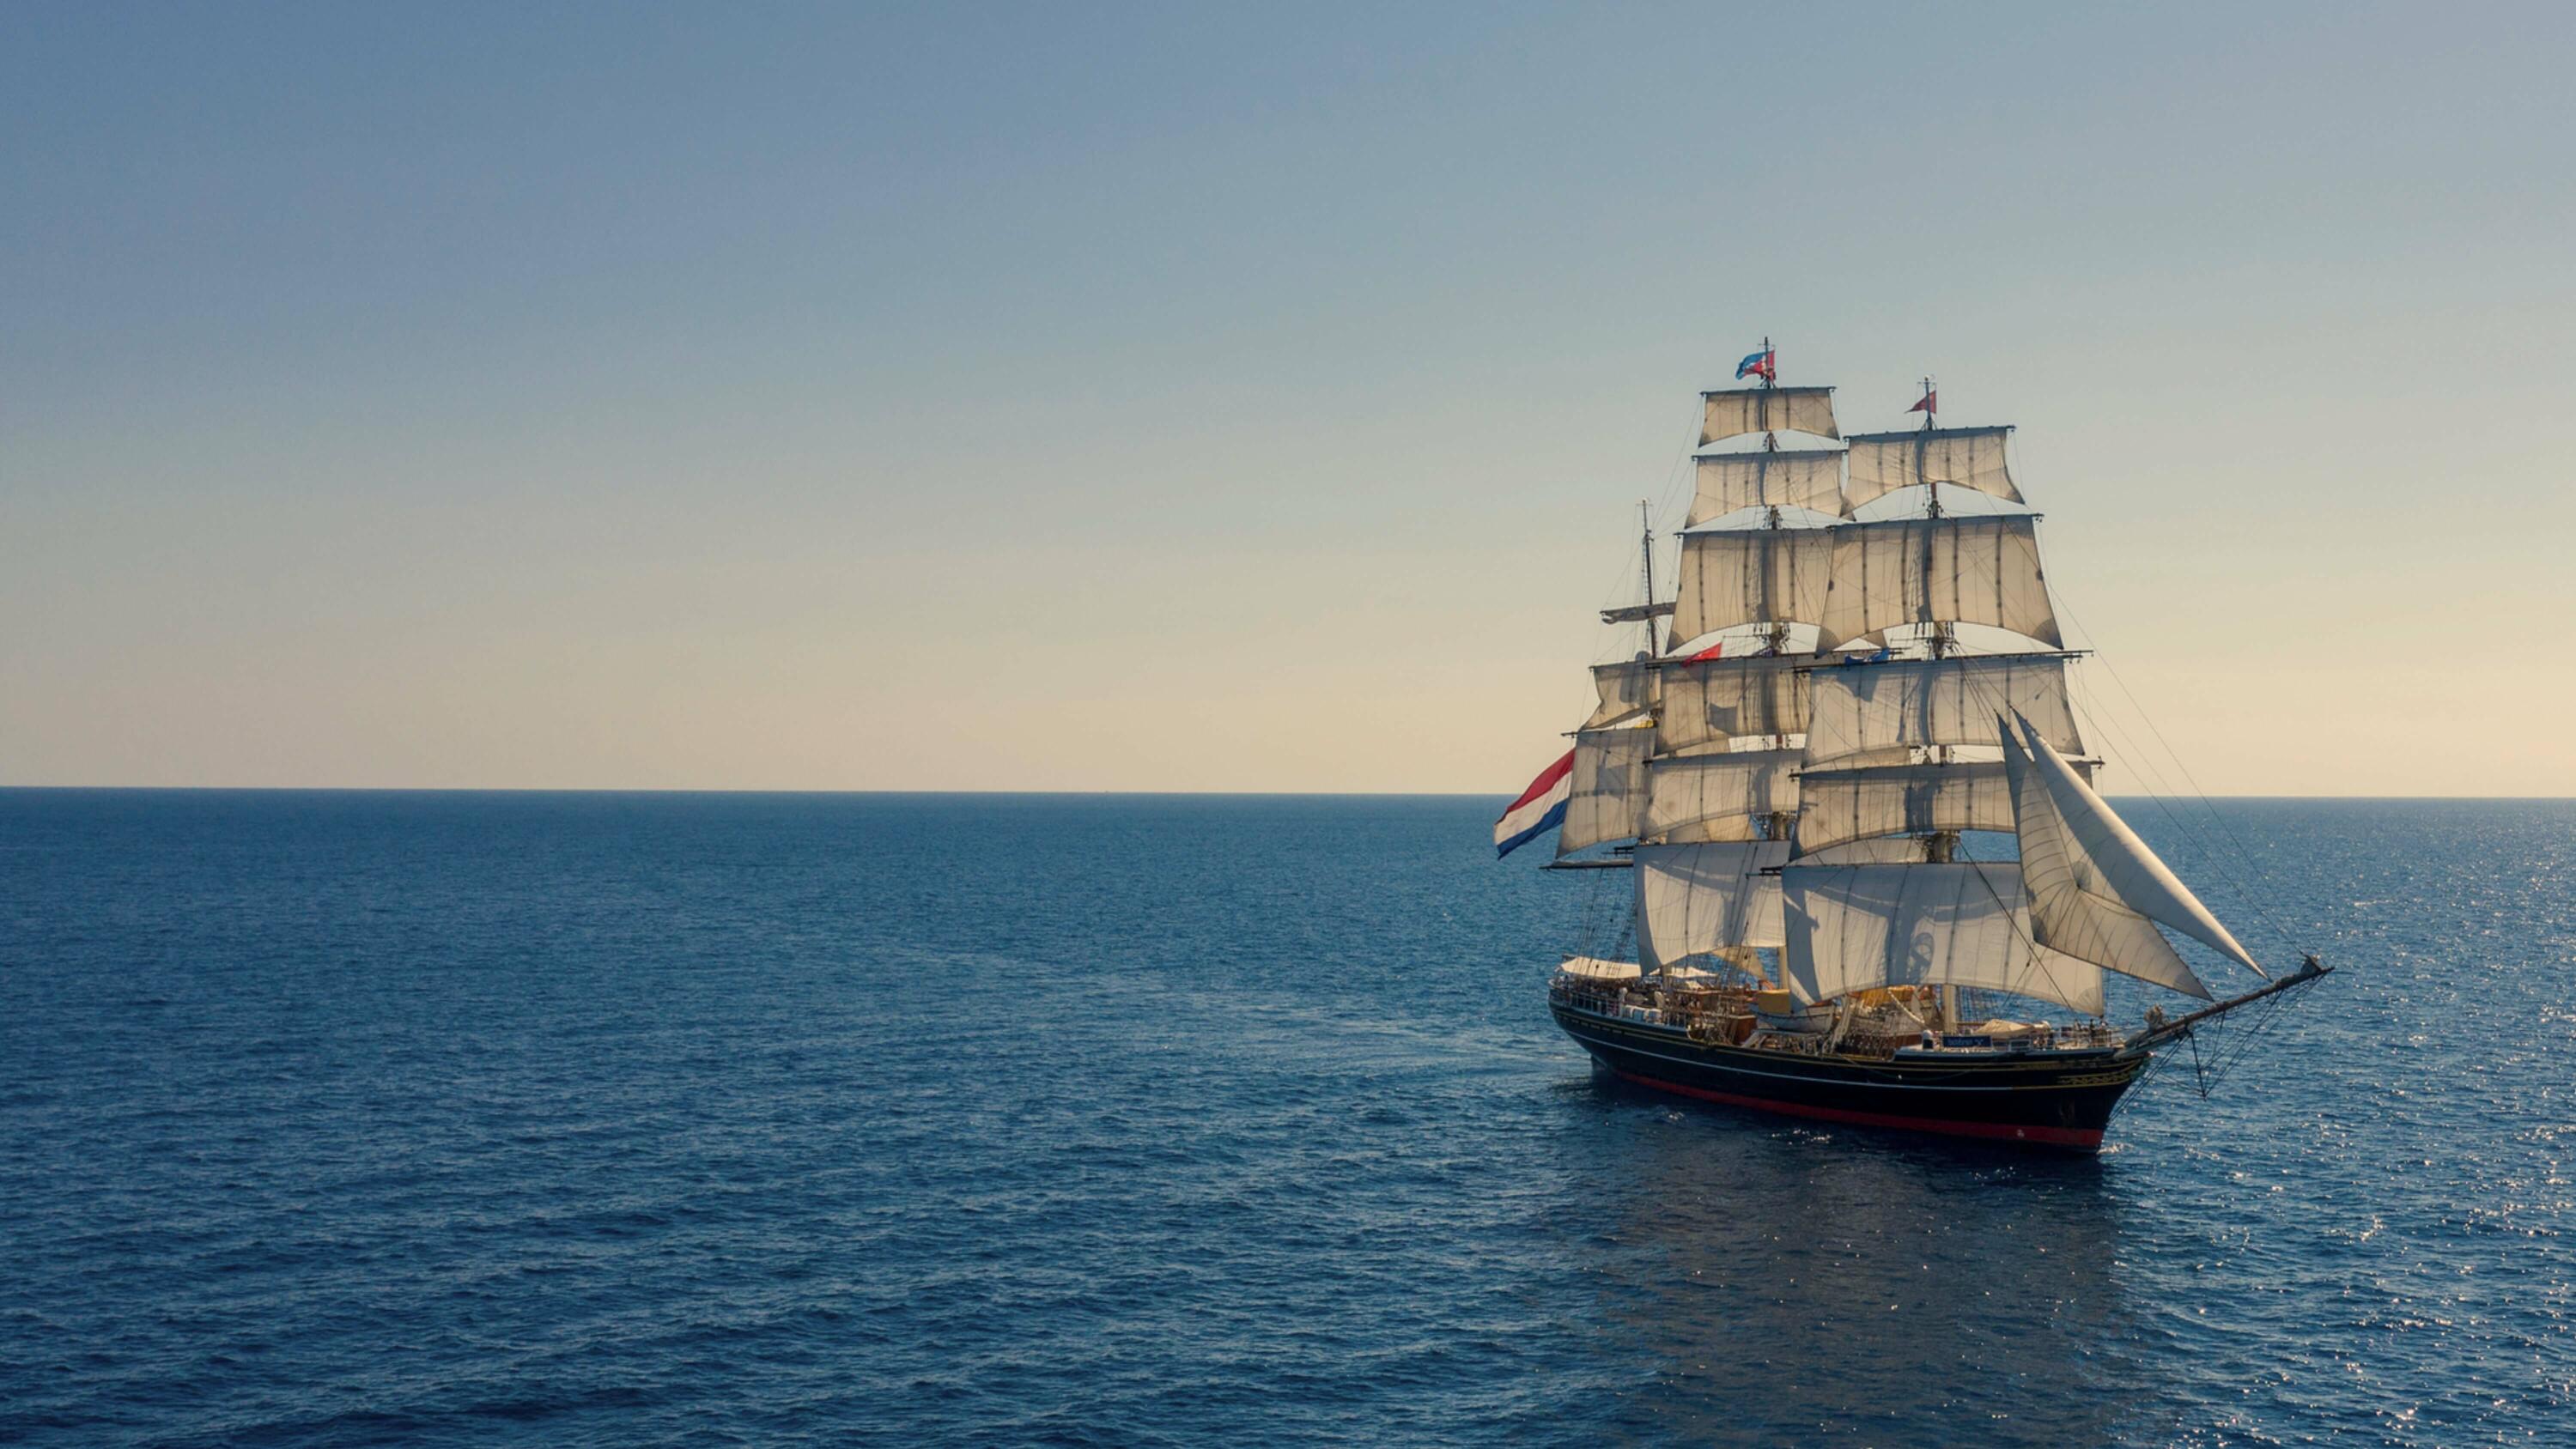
{"x": 1646, "y": 550}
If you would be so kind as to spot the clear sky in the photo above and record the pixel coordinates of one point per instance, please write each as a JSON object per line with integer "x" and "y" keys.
{"x": 1175, "y": 399}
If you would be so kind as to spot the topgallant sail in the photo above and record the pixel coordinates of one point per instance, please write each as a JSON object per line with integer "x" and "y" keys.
{"x": 1872, "y": 879}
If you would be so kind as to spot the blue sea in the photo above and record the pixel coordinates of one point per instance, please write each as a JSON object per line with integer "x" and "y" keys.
{"x": 597, "y": 1119}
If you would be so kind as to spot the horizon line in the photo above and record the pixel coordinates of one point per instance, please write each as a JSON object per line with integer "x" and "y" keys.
{"x": 1020, "y": 794}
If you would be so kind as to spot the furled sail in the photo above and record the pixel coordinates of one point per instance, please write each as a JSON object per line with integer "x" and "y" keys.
{"x": 1709, "y": 702}
{"x": 1717, "y": 796}
{"x": 1881, "y": 463}
{"x": 1735, "y": 481}
{"x": 1854, "y": 927}
{"x": 1751, "y": 576}
{"x": 1839, "y": 805}
{"x": 1855, "y": 709}
{"x": 1608, "y": 788}
{"x": 1738, "y": 411}
{"x": 1927, "y": 570}
{"x": 1698, "y": 898}
{"x": 1628, "y": 689}
{"x": 2085, "y": 849}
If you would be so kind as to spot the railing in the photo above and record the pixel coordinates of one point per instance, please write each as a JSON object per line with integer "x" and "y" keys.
{"x": 1717, "y": 1014}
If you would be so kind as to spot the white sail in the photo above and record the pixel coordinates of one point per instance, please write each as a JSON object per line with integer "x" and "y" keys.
{"x": 1927, "y": 570}
{"x": 1627, "y": 689}
{"x": 1855, "y": 709}
{"x": 1697, "y": 898}
{"x": 1900, "y": 850}
{"x": 2064, "y": 915}
{"x": 1736, "y": 481}
{"x": 1751, "y": 575}
{"x": 1607, "y": 789}
{"x": 1839, "y": 805}
{"x": 1713, "y": 701}
{"x": 1881, "y": 463}
{"x": 1738, "y": 411}
{"x": 1854, "y": 927}
{"x": 1717, "y": 796}
{"x": 2107, "y": 859}
{"x": 1835, "y": 806}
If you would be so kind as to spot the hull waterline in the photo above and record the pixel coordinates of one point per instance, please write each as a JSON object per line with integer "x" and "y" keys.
{"x": 2054, "y": 1100}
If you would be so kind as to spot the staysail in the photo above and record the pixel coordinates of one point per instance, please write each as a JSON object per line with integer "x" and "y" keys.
{"x": 2092, "y": 877}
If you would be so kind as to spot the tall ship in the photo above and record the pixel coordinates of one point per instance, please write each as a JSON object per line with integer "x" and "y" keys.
{"x": 1865, "y": 872}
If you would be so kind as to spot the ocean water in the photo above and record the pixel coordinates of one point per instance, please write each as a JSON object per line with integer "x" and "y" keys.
{"x": 603, "y": 1119}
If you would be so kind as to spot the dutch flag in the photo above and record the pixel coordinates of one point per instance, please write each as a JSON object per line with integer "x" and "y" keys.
{"x": 1540, "y": 808}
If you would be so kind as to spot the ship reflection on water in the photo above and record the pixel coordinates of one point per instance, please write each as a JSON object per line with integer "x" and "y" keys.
{"x": 1772, "y": 1282}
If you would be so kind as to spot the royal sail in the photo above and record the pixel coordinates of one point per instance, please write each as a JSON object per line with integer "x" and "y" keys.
{"x": 1881, "y": 463}
{"x": 1741, "y": 411}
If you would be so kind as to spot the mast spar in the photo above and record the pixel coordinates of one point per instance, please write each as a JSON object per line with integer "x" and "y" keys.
{"x": 1646, "y": 549}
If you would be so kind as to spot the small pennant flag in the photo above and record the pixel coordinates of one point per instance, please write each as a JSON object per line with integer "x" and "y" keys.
{"x": 1758, "y": 364}
{"x": 1931, "y": 403}
{"x": 1711, "y": 652}
{"x": 1540, "y": 809}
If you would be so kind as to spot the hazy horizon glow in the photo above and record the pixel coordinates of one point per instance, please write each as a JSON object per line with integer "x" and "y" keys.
{"x": 1015, "y": 399}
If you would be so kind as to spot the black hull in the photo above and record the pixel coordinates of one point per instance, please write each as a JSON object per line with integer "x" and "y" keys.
{"x": 2058, "y": 1100}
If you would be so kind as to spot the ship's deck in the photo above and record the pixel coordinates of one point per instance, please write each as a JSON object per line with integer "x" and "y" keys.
{"x": 1899, "y": 1024}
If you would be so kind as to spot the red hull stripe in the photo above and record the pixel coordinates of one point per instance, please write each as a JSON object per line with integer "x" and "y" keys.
{"x": 2007, "y": 1131}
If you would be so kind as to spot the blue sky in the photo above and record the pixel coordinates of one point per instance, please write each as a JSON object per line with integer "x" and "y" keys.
{"x": 1169, "y": 399}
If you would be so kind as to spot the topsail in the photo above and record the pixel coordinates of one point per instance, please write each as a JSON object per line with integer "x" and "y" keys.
{"x": 1881, "y": 463}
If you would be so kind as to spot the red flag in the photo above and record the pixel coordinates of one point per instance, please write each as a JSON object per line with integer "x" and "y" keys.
{"x": 1931, "y": 403}
{"x": 1711, "y": 652}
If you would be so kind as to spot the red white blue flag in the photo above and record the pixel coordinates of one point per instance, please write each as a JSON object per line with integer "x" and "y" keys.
{"x": 1758, "y": 364}
{"x": 1541, "y": 808}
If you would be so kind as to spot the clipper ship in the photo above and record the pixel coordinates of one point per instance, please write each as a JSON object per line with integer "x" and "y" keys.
{"x": 1869, "y": 877}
